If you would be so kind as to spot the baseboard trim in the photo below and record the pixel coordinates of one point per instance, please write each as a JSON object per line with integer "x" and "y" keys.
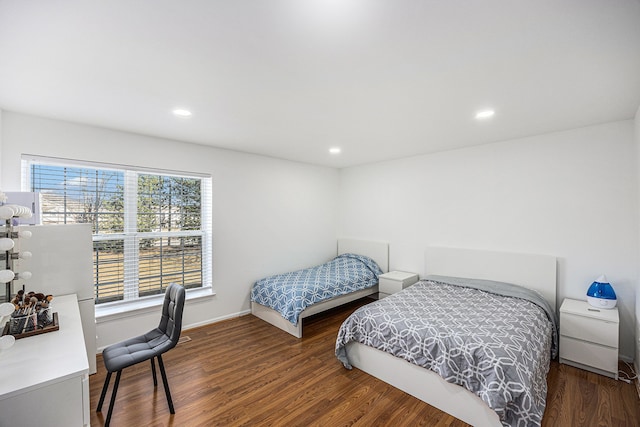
{"x": 216, "y": 320}
{"x": 198, "y": 324}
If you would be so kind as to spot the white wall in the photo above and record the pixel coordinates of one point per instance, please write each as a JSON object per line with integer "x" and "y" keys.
{"x": 269, "y": 215}
{"x": 637, "y": 340}
{"x": 1, "y": 148}
{"x": 570, "y": 194}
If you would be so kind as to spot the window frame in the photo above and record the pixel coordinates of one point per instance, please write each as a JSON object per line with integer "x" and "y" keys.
{"x": 131, "y": 236}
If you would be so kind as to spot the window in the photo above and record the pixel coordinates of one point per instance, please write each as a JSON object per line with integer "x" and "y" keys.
{"x": 150, "y": 228}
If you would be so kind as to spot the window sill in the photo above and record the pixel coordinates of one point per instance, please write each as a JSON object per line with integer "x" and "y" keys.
{"x": 123, "y": 309}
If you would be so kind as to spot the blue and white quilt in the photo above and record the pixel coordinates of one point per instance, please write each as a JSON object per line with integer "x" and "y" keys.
{"x": 291, "y": 293}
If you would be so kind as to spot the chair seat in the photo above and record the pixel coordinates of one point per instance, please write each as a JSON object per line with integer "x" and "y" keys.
{"x": 135, "y": 350}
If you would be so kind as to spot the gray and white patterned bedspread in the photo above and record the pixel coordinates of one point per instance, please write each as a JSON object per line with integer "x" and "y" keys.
{"x": 495, "y": 346}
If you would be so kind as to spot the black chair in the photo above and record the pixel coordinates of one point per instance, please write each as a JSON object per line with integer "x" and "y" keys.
{"x": 146, "y": 347}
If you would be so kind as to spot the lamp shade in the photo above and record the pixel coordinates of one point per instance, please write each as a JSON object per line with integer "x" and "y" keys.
{"x": 601, "y": 294}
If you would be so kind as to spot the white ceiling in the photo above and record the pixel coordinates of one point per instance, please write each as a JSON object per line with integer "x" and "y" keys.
{"x": 381, "y": 79}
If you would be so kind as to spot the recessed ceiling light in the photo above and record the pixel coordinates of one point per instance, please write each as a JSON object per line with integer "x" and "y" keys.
{"x": 334, "y": 150}
{"x": 485, "y": 114}
{"x": 181, "y": 112}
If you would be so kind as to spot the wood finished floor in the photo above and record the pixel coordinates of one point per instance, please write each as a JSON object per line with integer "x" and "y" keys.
{"x": 245, "y": 372}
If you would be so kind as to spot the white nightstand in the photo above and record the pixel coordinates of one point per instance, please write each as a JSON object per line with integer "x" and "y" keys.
{"x": 395, "y": 281}
{"x": 589, "y": 337}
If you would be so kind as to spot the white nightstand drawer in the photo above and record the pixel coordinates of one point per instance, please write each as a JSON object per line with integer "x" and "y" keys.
{"x": 605, "y": 358}
{"x": 395, "y": 281}
{"x": 589, "y": 329}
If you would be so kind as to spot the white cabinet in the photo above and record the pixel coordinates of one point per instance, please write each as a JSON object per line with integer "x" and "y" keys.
{"x": 58, "y": 250}
{"x": 395, "y": 281}
{"x": 589, "y": 337}
{"x": 44, "y": 379}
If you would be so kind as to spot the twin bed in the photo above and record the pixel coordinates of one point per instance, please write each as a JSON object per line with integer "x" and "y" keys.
{"x": 455, "y": 343}
{"x": 284, "y": 300}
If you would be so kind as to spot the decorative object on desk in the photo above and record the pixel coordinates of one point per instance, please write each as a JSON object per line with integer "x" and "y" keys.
{"x": 31, "y": 315}
{"x": 53, "y": 326}
{"x": 601, "y": 293}
{"x": 29, "y": 320}
{"x": 9, "y": 251}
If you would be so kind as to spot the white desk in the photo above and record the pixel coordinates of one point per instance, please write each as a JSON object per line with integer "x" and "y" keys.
{"x": 44, "y": 379}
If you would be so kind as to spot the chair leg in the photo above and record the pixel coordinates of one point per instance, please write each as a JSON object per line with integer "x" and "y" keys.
{"x": 166, "y": 385}
{"x": 104, "y": 391}
{"x": 113, "y": 398}
{"x": 153, "y": 370}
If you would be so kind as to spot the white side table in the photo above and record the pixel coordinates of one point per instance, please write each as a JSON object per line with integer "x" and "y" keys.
{"x": 395, "y": 281}
{"x": 589, "y": 337}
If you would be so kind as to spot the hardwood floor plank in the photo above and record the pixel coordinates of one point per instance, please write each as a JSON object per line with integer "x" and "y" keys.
{"x": 245, "y": 372}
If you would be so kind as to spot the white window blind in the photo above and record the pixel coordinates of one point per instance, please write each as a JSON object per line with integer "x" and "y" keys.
{"x": 150, "y": 227}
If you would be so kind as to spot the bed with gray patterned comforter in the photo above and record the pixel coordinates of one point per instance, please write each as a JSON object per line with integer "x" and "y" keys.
{"x": 495, "y": 339}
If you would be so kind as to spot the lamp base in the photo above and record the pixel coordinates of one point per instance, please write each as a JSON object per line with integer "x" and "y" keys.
{"x": 602, "y": 302}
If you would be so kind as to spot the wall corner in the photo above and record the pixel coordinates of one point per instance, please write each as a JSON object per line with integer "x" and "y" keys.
{"x": 637, "y": 311}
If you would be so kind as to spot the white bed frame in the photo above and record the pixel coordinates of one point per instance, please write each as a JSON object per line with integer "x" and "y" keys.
{"x": 532, "y": 271}
{"x": 378, "y": 251}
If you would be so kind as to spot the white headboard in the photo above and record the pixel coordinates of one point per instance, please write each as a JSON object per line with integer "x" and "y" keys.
{"x": 527, "y": 270}
{"x": 377, "y": 251}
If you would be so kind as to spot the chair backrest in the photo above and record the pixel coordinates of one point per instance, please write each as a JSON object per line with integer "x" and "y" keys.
{"x": 171, "y": 321}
